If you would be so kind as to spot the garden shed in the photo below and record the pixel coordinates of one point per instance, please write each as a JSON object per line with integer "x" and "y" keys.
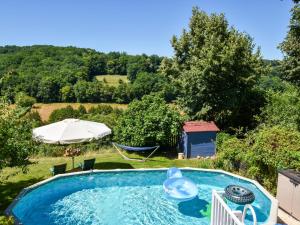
{"x": 198, "y": 139}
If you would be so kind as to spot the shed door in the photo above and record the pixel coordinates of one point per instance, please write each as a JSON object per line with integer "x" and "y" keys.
{"x": 203, "y": 149}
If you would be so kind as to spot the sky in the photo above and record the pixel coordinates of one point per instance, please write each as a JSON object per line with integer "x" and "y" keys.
{"x": 135, "y": 26}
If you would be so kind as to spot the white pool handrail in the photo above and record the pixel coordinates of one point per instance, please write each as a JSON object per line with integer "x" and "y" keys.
{"x": 252, "y": 212}
{"x": 221, "y": 214}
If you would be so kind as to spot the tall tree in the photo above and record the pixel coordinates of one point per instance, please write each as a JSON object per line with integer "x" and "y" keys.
{"x": 291, "y": 48}
{"x": 217, "y": 69}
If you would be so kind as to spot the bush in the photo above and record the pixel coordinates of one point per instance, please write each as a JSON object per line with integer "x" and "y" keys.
{"x": 16, "y": 144}
{"x": 272, "y": 149}
{"x": 282, "y": 108}
{"x": 82, "y": 110}
{"x": 148, "y": 122}
{"x": 109, "y": 120}
{"x": 6, "y": 220}
{"x": 101, "y": 109}
{"x": 51, "y": 150}
{"x": 230, "y": 152}
{"x": 64, "y": 113}
{"x": 35, "y": 118}
{"x": 23, "y": 100}
{"x": 261, "y": 153}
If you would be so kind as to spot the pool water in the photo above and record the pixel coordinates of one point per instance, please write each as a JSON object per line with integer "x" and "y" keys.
{"x": 127, "y": 198}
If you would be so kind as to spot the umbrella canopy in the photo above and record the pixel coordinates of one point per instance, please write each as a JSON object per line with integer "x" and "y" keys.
{"x": 71, "y": 131}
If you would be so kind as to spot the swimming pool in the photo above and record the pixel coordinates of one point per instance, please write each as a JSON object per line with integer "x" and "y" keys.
{"x": 128, "y": 197}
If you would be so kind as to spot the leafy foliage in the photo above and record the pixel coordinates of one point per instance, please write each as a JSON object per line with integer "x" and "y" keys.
{"x": 217, "y": 70}
{"x": 23, "y": 100}
{"x": 291, "y": 48}
{"x": 261, "y": 154}
{"x": 282, "y": 108}
{"x": 146, "y": 84}
{"x": 16, "y": 143}
{"x": 64, "y": 113}
{"x": 4, "y": 220}
{"x": 53, "y": 74}
{"x": 148, "y": 122}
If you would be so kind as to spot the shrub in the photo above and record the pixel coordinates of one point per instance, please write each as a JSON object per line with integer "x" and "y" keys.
{"x": 64, "y": 113}
{"x": 261, "y": 153}
{"x": 6, "y": 220}
{"x": 35, "y": 118}
{"x": 282, "y": 108}
{"x": 101, "y": 109}
{"x": 109, "y": 119}
{"x": 230, "y": 152}
{"x": 16, "y": 144}
{"x": 272, "y": 149}
{"x": 82, "y": 110}
{"x": 148, "y": 122}
{"x": 51, "y": 150}
{"x": 23, "y": 100}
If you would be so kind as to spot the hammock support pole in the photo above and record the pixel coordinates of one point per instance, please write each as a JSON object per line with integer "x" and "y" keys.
{"x": 132, "y": 159}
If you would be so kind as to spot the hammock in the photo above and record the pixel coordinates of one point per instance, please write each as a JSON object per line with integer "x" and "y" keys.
{"x": 135, "y": 149}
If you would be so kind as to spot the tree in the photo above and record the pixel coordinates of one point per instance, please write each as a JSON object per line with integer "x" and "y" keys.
{"x": 67, "y": 94}
{"x": 147, "y": 83}
{"x": 291, "y": 49}
{"x": 282, "y": 108}
{"x": 49, "y": 89}
{"x": 87, "y": 91}
{"x": 123, "y": 93}
{"x": 218, "y": 70}
{"x": 148, "y": 122}
{"x": 16, "y": 144}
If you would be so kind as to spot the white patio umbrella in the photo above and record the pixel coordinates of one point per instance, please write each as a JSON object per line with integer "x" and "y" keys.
{"x": 71, "y": 131}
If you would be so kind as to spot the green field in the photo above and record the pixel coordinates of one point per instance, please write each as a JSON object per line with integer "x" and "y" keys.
{"x": 12, "y": 180}
{"x": 112, "y": 80}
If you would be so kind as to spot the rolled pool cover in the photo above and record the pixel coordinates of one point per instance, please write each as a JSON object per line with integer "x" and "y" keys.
{"x": 239, "y": 195}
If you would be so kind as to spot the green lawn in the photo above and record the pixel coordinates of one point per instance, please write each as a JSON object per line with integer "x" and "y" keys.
{"x": 13, "y": 181}
{"x": 113, "y": 80}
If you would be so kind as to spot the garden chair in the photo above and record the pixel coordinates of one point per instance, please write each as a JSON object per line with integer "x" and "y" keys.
{"x": 87, "y": 164}
{"x": 58, "y": 169}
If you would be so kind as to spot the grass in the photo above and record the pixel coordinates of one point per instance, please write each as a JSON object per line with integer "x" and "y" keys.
{"x": 112, "y": 80}
{"x": 12, "y": 180}
{"x": 45, "y": 110}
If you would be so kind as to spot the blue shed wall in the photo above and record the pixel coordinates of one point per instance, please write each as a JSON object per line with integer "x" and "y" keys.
{"x": 199, "y": 143}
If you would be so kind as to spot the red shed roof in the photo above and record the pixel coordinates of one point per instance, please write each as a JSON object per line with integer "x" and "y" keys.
{"x": 200, "y": 126}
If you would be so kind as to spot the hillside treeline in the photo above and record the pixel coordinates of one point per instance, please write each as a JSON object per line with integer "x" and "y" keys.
{"x": 50, "y": 73}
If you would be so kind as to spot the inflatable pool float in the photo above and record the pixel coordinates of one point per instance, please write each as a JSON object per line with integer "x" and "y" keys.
{"x": 174, "y": 172}
{"x": 239, "y": 194}
{"x": 179, "y": 187}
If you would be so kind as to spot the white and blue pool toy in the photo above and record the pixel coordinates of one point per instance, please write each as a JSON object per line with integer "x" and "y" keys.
{"x": 179, "y": 187}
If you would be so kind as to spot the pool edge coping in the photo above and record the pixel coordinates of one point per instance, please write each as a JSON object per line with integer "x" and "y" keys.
{"x": 272, "y": 220}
